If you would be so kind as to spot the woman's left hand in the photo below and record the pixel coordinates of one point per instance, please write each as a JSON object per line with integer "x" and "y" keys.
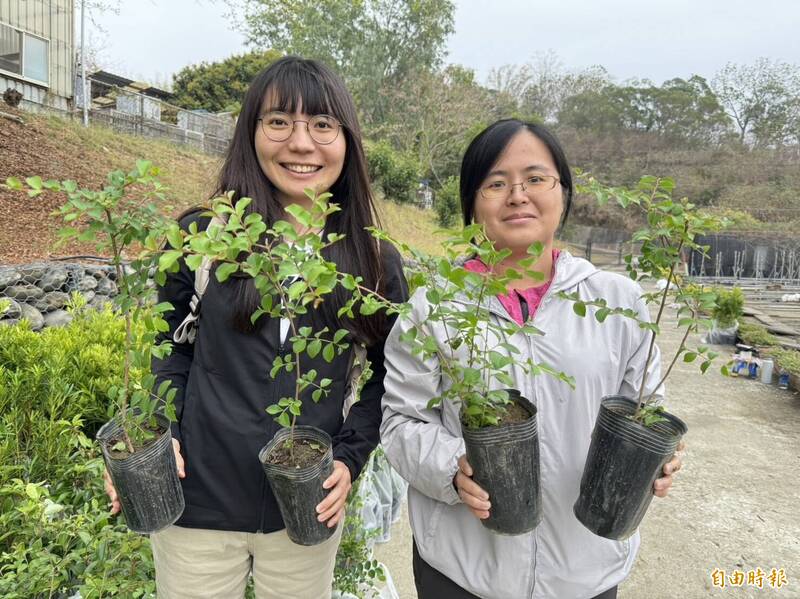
{"x": 331, "y": 509}
{"x": 662, "y": 485}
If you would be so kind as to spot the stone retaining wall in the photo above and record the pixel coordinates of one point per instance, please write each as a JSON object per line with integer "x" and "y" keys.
{"x": 40, "y": 292}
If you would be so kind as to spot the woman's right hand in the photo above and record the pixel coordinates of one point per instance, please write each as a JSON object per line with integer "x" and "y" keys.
{"x": 475, "y": 498}
{"x": 112, "y": 492}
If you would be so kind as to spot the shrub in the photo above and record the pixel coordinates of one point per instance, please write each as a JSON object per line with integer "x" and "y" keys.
{"x": 448, "y": 203}
{"x": 755, "y": 334}
{"x": 788, "y": 360}
{"x": 58, "y": 537}
{"x": 396, "y": 173}
{"x": 52, "y": 383}
{"x": 729, "y": 306}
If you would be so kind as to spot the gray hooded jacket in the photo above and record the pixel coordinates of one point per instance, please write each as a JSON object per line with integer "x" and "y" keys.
{"x": 560, "y": 558}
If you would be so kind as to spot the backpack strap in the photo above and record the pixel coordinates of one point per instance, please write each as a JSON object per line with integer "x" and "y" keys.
{"x": 187, "y": 330}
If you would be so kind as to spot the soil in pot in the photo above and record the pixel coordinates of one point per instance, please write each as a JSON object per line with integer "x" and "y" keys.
{"x": 298, "y": 489}
{"x": 505, "y": 463}
{"x": 624, "y": 460}
{"x": 146, "y": 481}
{"x": 300, "y": 454}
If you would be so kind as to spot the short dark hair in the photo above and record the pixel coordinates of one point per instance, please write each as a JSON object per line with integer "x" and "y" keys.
{"x": 485, "y": 149}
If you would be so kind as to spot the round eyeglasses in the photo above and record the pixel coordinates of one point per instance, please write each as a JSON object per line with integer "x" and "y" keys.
{"x": 278, "y": 126}
{"x": 500, "y": 190}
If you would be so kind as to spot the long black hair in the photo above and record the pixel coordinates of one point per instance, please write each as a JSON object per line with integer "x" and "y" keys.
{"x": 290, "y": 82}
{"x": 484, "y": 151}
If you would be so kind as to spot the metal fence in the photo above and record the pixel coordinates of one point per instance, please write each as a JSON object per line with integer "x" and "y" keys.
{"x": 130, "y": 112}
{"x": 748, "y": 257}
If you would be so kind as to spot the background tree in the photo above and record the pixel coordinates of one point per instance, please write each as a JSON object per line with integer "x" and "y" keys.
{"x": 761, "y": 98}
{"x": 435, "y": 115}
{"x": 684, "y": 109}
{"x": 374, "y": 44}
{"x": 218, "y": 86}
{"x": 541, "y": 86}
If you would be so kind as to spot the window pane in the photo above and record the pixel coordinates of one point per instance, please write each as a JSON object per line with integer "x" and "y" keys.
{"x": 35, "y": 66}
{"x": 10, "y": 49}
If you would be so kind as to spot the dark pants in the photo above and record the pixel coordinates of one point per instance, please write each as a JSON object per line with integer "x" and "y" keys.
{"x": 432, "y": 584}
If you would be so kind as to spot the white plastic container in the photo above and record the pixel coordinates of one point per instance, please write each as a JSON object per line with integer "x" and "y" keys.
{"x": 766, "y": 370}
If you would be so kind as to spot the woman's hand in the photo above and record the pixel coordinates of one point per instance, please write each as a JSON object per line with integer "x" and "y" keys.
{"x": 475, "y": 498}
{"x": 112, "y": 492}
{"x": 662, "y": 485}
{"x": 331, "y": 509}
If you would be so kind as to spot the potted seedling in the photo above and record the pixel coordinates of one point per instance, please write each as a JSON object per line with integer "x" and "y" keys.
{"x": 634, "y": 437}
{"x": 728, "y": 310}
{"x": 479, "y": 361}
{"x": 293, "y": 278}
{"x": 136, "y": 442}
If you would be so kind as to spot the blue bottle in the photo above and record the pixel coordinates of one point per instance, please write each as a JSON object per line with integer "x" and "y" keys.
{"x": 783, "y": 380}
{"x": 753, "y": 368}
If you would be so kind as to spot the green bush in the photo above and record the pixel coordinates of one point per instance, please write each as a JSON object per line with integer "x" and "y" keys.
{"x": 755, "y": 334}
{"x": 396, "y": 173}
{"x": 56, "y": 535}
{"x": 730, "y": 306}
{"x": 51, "y": 378}
{"x": 787, "y": 360}
{"x": 448, "y": 203}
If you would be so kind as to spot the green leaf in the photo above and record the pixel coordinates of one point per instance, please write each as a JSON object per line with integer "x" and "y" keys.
{"x": 689, "y": 356}
{"x": 225, "y": 270}
{"x": 579, "y": 308}
{"x": 328, "y": 353}
{"x": 168, "y": 258}
{"x": 14, "y": 183}
{"x": 602, "y": 314}
{"x": 193, "y": 261}
{"x": 314, "y": 348}
{"x": 32, "y": 491}
{"x": 34, "y": 183}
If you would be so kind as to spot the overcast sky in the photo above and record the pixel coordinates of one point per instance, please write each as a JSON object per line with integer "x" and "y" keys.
{"x": 655, "y": 39}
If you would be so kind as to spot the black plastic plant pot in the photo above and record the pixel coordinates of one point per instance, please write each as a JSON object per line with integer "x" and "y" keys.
{"x": 625, "y": 458}
{"x": 299, "y": 490}
{"x": 147, "y": 482}
{"x": 505, "y": 463}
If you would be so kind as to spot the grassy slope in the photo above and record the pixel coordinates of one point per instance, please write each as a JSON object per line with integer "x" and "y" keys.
{"x": 55, "y": 148}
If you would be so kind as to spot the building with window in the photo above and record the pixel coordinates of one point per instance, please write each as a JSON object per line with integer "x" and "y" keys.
{"x": 37, "y": 51}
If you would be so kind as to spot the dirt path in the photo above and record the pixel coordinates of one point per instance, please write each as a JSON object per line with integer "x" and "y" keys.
{"x": 735, "y": 504}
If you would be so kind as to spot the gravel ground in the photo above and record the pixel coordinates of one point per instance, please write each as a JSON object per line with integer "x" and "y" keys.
{"x": 734, "y": 505}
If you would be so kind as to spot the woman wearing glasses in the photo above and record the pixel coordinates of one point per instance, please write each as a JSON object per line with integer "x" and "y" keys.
{"x": 515, "y": 180}
{"x": 297, "y": 130}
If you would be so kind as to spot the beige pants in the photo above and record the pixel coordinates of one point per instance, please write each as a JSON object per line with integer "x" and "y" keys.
{"x": 211, "y": 564}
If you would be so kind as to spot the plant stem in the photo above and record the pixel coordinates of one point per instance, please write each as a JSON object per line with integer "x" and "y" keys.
{"x": 123, "y": 408}
{"x": 681, "y": 347}
{"x": 637, "y": 415}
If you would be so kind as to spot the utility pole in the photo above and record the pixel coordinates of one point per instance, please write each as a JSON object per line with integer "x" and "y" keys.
{"x": 86, "y": 98}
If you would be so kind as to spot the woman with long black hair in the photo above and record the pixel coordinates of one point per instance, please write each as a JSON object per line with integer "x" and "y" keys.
{"x": 297, "y": 130}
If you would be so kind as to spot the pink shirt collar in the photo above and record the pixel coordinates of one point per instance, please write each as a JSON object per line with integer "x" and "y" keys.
{"x": 511, "y": 301}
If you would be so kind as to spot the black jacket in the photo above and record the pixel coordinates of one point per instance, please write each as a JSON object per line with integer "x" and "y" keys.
{"x": 224, "y": 389}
